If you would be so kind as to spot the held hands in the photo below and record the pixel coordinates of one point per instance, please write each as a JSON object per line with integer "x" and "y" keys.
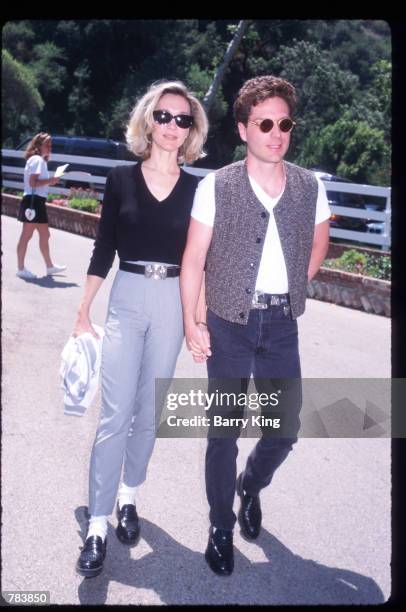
{"x": 198, "y": 341}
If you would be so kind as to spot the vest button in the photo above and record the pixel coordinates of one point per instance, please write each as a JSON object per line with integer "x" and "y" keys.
{"x": 248, "y": 290}
{"x": 263, "y": 215}
{"x": 241, "y": 315}
{"x": 258, "y": 240}
{"x": 252, "y": 265}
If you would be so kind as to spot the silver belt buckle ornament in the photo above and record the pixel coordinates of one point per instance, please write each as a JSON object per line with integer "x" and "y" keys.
{"x": 155, "y": 271}
{"x": 255, "y": 303}
{"x": 275, "y": 300}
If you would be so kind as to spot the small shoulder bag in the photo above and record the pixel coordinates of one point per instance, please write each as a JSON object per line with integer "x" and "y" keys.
{"x": 31, "y": 212}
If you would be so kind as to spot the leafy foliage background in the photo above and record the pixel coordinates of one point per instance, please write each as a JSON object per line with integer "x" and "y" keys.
{"x": 83, "y": 78}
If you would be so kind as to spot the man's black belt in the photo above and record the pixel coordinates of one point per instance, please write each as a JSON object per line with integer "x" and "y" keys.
{"x": 151, "y": 270}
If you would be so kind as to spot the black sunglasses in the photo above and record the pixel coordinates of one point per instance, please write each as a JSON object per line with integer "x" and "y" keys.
{"x": 182, "y": 121}
{"x": 266, "y": 125}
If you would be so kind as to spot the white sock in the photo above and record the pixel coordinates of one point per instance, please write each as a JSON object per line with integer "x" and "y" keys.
{"x": 97, "y": 527}
{"x": 126, "y": 495}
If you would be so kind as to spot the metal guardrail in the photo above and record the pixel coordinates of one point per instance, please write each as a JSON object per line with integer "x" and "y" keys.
{"x": 382, "y": 239}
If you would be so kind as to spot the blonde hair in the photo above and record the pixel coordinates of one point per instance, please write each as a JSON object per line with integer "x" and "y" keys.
{"x": 141, "y": 121}
{"x": 34, "y": 146}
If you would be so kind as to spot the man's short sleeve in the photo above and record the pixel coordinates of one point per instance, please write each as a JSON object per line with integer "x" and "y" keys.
{"x": 323, "y": 211}
{"x": 204, "y": 203}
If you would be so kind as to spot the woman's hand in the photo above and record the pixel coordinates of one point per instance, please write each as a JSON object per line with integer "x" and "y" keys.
{"x": 198, "y": 341}
{"x": 83, "y": 325}
{"x": 53, "y": 181}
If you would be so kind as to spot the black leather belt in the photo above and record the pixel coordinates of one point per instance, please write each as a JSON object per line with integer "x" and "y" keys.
{"x": 265, "y": 300}
{"x": 152, "y": 270}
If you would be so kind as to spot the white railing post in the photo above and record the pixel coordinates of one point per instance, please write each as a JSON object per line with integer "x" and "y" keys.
{"x": 388, "y": 219}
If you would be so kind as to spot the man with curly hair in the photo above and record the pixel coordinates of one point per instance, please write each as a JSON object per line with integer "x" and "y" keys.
{"x": 260, "y": 229}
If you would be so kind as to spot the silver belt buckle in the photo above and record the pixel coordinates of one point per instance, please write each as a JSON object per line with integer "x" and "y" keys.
{"x": 155, "y": 271}
{"x": 255, "y": 303}
{"x": 275, "y": 300}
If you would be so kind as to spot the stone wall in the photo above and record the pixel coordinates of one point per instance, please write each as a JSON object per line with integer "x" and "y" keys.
{"x": 353, "y": 290}
{"x": 343, "y": 288}
{"x": 60, "y": 217}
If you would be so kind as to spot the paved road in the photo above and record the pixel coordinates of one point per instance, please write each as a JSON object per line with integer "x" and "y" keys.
{"x": 326, "y": 527}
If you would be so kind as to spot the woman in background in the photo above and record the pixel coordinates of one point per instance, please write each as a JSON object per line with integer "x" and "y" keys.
{"x": 33, "y": 211}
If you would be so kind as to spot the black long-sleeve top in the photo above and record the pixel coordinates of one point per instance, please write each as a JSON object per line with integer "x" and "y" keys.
{"x": 137, "y": 225}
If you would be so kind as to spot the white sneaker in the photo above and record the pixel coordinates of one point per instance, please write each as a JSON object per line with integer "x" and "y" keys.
{"x": 55, "y": 269}
{"x": 24, "y": 273}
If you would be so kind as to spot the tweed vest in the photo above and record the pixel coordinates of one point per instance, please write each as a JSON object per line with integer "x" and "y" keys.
{"x": 239, "y": 230}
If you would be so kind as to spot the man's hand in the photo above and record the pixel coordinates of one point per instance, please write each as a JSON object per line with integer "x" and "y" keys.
{"x": 198, "y": 341}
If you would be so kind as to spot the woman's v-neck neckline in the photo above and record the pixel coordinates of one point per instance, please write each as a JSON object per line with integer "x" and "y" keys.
{"x": 150, "y": 192}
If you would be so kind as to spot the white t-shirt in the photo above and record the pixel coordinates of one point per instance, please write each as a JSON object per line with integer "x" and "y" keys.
{"x": 36, "y": 165}
{"x": 272, "y": 275}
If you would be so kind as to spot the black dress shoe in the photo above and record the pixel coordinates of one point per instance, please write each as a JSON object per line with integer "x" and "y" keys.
{"x": 128, "y": 528}
{"x": 220, "y": 553}
{"x": 250, "y": 515}
{"x": 90, "y": 562}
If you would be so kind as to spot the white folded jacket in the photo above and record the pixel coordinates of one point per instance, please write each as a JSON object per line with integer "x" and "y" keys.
{"x": 79, "y": 371}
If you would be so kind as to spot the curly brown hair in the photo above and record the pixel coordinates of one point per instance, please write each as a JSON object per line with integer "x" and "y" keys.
{"x": 34, "y": 146}
{"x": 257, "y": 90}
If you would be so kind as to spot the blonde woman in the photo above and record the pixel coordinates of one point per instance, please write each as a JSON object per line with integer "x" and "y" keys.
{"x": 145, "y": 217}
{"x": 33, "y": 212}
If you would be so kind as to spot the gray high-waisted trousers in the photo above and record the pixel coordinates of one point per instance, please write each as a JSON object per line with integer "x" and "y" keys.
{"x": 143, "y": 338}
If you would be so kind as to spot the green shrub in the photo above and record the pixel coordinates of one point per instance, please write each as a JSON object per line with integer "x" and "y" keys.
{"x": 377, "y": 266}
{"x": 84, "y": 204}
{"x": 55, "y": 196}
{"x": 12, "y": 191}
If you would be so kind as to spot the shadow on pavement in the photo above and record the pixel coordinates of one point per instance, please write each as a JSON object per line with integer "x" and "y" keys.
{"x": 179, "y": 575}
{"x": 50, "y": 282}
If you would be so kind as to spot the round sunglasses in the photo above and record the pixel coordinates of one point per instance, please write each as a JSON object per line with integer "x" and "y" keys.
{"x": 266, "y": 125}
{"x": 182, "y": 121}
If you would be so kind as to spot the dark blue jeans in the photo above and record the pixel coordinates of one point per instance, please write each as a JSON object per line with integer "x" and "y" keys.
{"x": 267, "y": 348}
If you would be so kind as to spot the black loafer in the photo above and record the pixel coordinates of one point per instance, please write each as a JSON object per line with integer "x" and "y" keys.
{"x": 249, "y": 515}
{"x": 220, "y": 553}
{"x": 128, "y": 528}
{"x": 90, "y": 562}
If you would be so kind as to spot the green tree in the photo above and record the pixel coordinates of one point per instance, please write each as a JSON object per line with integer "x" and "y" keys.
{"x": 324, "y": 89}
{"x": 366, "y": 157}
{"x": 18, "y": 38}
{"x": 47, "y": 66}
{"x": 381, "y": 89}
{"x": 90, "y": 72}
{"x": 352, "y": 149}
{"x": 21, "y": 100}
{"x": 355, "y": 45}
{"x": 238, "y": 34}
{"x": 80, "y": 100}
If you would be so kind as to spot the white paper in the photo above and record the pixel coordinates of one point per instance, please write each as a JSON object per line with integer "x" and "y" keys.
{"x": 60, "y": 170}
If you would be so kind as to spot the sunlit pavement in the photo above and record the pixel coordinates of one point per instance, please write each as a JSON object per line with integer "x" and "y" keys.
{"x": 326, "y": 524}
